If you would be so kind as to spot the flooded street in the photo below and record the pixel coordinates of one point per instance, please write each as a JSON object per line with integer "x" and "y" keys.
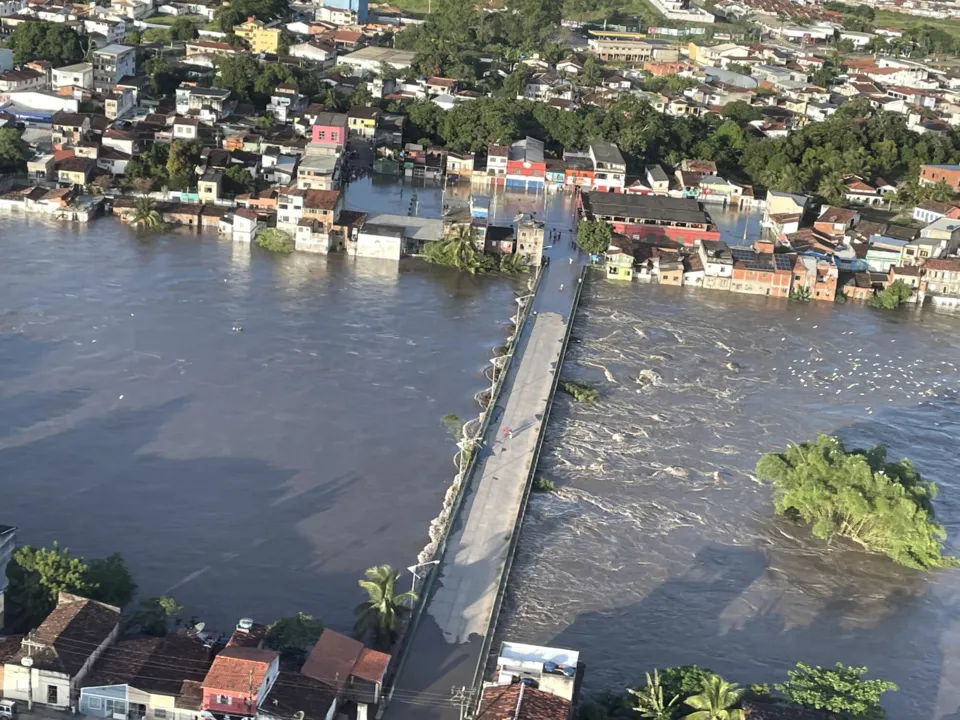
{"x": 660, "y": 548}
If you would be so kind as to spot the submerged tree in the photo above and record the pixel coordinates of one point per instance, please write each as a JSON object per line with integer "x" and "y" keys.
{"x": 891, "y": 297}
{"x": 885, "y": 507}
{"x": 145, "y": 214}
{"x": 840, "y": 690}
{"x": 593, "y": 236}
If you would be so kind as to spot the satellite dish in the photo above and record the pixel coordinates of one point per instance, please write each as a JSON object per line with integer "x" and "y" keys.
{"x": 26, "y": 662}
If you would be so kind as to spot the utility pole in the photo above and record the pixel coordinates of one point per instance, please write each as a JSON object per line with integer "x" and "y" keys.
{"x": 461, "y": 696}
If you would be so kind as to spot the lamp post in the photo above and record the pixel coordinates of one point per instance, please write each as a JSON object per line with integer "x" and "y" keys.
{"x": 413, "y": 573}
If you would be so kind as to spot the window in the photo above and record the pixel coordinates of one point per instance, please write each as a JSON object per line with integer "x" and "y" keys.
{"x": 116, "y": 707}
{"x": 322, "y": 135}
{"x": 223, "y": 699}
{"x": 160, "y": 713}
{"x": 334, "y": 136}
{"x": 52, "y": 694}
{"x": 95, "y": 703}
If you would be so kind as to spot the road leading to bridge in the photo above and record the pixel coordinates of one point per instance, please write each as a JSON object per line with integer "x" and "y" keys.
{"x": 447, "y": 646}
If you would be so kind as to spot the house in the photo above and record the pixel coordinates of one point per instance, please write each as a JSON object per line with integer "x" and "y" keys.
{"x": 355, "y": 673}
{"x": 460, "y": 165}
{"x": 930, "y": 210}
{"x": 530, "y": 241}
{"x": 717, "y": 261}
{"x": 884, "y": 253}
{"x": 62, "y": 651}
{"x": 185, "y": 128}
{"x": 497, "y": 163}
{"x": 259, "y": 38}
{"x": 390, "y": 237}
{"x": 319, "y": 172}
{"x": 943, "y": 282}
{"x": 22, "y": 79}
{"x": 68, "y": 129}
{"x": 323, "y": 206}
{"x": 118, "y": 103}
{"x": 756, "y": 273}
{"x": 330, "y": 129}
{"x": 651, "y": 217}
{"x": 657, "y": 179}
{"x": 77, "y": 75}
{"x": 933, "y": 174}
{"x": 242, "y": 225}
{"x": 856, "y": 285}
{"x": 610, "y": 169}
{"x": 110, "y": 64}
{"x": 8, "y": 543}
{"x": 860, "y": 192}
{"x": 368, "y": 59}
{"x": 442, "y": 86}
{"x": 317, "y": 51}
{"x": 519, "y": 701}
{"x": 781, "y": 203}
{"x": 207, "y": 104}
{"x": 285, "y": 102}
{"x": 910, "y": 275}
{"x": 926, "y": 247}
{"x": 619, "y": 264}
{"x": 819, "y": 276}
{"x": 362, "y": 121}
{"x": 240, "y": 677}
{"x": 526, "y": 166}
{"x": 316, "y": 700}
{"x": 75, "y": 170}
{"x": 577, "y": 170}
{"x": 146, "y": 677}
{"x": 210, "y": 186}
{"x": 836, "y": 221}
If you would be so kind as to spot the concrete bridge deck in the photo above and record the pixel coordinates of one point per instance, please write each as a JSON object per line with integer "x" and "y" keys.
{"x": 448, "y": 643}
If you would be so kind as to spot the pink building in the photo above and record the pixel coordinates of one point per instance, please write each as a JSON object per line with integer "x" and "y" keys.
{"x": 330, "y": 129}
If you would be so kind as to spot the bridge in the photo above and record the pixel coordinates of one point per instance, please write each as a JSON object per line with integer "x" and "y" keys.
{"x": 451, "y": 641}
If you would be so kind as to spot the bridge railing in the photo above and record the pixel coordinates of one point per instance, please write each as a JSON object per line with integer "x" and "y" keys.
{"x": 466, "y": 479}
{"x": 515, "y": 535}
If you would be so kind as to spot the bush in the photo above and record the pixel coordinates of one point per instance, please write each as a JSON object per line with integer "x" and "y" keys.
{"x": 580, "y": 391}
{"x": 454, "y": 426}
{"x": 841, "y": 690}
{"x": 275, "y": 240}
{"x": 885, "y": 507}
{"x": 542, "y": 485}
{"x": 896, "y": 293}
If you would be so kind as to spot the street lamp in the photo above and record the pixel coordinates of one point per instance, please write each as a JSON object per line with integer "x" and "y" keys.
{"x": 413, "y": 573}
{"x": 516, "y": 323}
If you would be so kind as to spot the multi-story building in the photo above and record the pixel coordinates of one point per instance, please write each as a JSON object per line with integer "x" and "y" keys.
{"x": 259, "y": 38}
{"x": 526, "y": 166}
{"x": 757, "y": 273}
{"x": 818, "y": 275}
{"x": 618, "y": 50}
{"x": 110, "y": 64}
{"x": 609, "y": 167}
{"x": 207, "y": 104}
{"x": 717, "y": 262}
{"x": 530, "y": 241}
{"x": 651, "y": 217}
{"x": 22, "y": 79}
{"x": 933, "y": 174}
{"x": 356, "y": 7}
{"x": 330, "y": 130}
{"x": 77, "y": 75}
{"x": 497, "y": 163}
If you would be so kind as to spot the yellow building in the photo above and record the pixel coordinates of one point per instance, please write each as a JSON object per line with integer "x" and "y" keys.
{"x": 258, "y": 37}
{"x": 362, "y": 121}
{"x": 619, "y": 264}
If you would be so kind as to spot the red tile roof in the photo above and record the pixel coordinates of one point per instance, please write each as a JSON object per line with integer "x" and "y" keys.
{"x": 332, "y": 659}
{"x": 948, "y": 264}
{"x": 371, "y": 665}
{"x": 237, "y": 669}
{"x": 520, "y": 702}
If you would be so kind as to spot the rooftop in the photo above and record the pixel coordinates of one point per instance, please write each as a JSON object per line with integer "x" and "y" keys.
{"x": 236, "y": 668}
{"x": 151, "y": 664}
{"x": 521, "y": 702}
{"x": 648, "y": 207}
{"x": 115, "y": 49}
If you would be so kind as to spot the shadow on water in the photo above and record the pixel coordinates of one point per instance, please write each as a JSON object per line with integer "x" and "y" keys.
{"x": 236, "y": 536}
{"x": 693, "y": 618}
{"x": 20, "y": 354}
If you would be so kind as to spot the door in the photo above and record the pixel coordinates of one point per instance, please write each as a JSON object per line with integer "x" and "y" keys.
{"x": 52, "y": 695}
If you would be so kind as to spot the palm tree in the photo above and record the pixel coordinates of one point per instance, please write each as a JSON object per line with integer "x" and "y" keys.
{"x": 384, "y": 609}
{"x": 650, "y": 702}
{"x": 145, "y": 214}
{"x": 513, "y": 263}
{"x": 716, "y": 701}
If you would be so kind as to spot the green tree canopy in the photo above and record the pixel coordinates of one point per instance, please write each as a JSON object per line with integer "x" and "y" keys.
{"x": 183, "y": 29}
{"x": 841, "y": 690}
{"x": 384, "y": 608}
{"x": 892, "y": 296}
{"x": 45, "y": 41}
{"x": 293, "y": 636}
{"x": 111, "y": 580}
{"x": 14, "y": 152}
{"x": 593, "y": 236}
{"x": 38, "y": 575}
{"x": 741, "y": 112}
{"x": 182, "y": 160}
{"x": 237, "y": 180}
{"x": 274, "y": 240}
{"x": 717, "y": 700}
{"x": 155, "y": 614}
{"x": 885, "y": 507}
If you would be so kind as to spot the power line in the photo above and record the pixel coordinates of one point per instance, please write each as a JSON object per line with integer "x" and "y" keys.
{"x": 133, "y": 658}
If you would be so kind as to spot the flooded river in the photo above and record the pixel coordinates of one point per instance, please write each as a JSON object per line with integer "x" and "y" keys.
{"x": 660, "y": 548}
{"x": 254, "y": 472}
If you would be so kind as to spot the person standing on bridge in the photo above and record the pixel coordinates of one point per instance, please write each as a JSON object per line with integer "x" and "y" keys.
{"x": 507, "y": 432}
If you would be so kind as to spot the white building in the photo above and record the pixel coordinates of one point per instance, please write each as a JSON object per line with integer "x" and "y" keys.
{"x": 61, "y": 652}
{"x": 390, "y": 237}
{"x": 79, "y": 75}
{"x": 368, "y": 59}
{"x": 553, "y": 670}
